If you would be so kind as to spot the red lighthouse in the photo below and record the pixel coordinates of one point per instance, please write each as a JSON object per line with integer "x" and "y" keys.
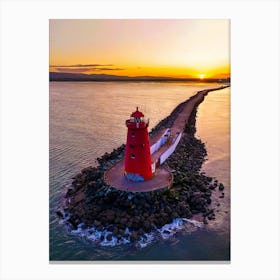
{"x": 137, "y": 151}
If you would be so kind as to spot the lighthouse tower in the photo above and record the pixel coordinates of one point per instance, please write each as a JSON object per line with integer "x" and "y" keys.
{"x": 137, "y": 151}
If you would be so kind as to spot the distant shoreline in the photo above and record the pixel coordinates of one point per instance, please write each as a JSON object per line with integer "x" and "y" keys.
{"x": 73, "y": 77}
{"x": 166, "y": 81}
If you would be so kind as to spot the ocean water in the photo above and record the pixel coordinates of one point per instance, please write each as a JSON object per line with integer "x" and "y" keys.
{"x": 213, "y": 128}
{"x": 87, "y": 119}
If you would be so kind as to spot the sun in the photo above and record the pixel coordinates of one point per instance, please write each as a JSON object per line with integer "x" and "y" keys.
{"x": 201, "y": 76}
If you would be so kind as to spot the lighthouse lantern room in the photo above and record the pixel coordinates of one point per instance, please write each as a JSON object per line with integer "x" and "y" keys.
{"x": 137, "y": 151}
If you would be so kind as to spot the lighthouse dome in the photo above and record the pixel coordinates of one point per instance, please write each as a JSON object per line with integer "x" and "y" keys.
{"x": 137, "y": 114}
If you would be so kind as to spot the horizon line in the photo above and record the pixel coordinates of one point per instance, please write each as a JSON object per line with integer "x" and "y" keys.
{"x": 222, "y": 77}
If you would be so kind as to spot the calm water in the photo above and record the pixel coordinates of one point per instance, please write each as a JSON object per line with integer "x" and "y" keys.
{"x": 87, "y": 120}
{"x": 213, "y": 127}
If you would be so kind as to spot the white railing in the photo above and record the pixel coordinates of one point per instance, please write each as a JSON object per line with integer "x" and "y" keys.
{"x": 170, "y": 150}
{"x": 162, "y": 140}
{"x": 153, "y": 166}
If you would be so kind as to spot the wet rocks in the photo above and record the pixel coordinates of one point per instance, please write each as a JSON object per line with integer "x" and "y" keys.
{"x": 222, "y": 196}
{"x": 221, "y": 187}
{"x": 59, "y": 214}
{"x": 109, "y": 237}
{"x": 134, "y": 236}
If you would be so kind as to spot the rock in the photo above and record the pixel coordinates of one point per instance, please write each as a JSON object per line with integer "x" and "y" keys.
{"x": 69, "y": 193}
{"x": 59, "y": 214}
{"x": 203, "y": 188}
{"x": 141, "y": 232}
{"x": 87, "y": 170}
{"x": 175, "y": 215}
{"x": 109, "y": 237}
{"x": 211, "y": 216}
{"x": 168, "y": 210}
{"x": 221, "y": 187}
{"x": 188, "y": 214}
{"x": 73, "y": 223}
{"x": 110, "y": 228}
{"x": 115, "y": 231}
{"x": 134, "y": 236}
{"x": 100, "y": 228}
{"x": 208, "y": 200}
{"x": 147, "y": 225}
{"x": 123, "y": 221}
{"x": 129, "y": 224}
{"x": 110, "y": 216}
{"x": 208, "y": 193}
{"x": 92, "y": 184}
{"x": 96, "y": 223}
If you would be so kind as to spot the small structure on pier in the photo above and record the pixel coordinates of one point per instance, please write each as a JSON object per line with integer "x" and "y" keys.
{"x": 138, "y": 161}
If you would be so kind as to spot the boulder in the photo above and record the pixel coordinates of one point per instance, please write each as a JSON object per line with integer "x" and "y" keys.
{"x": 208, "y": 200}
{"x": 96, "y": 223}
{"x": 221, "y": 187}
{"x": 110, "y": 228}
{"x": 134, "y": 236}
{"x": 115, "y": 231}
{"x": 109, "y": 237}
{"x": 59, "y": 214}
{"x": 147, "y": 225}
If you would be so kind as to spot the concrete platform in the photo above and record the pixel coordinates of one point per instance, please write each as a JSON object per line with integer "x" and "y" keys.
{"x": 115, "y": 177}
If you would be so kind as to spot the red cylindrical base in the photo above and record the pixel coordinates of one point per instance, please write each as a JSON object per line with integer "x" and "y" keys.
{"x": 137, "y": 153}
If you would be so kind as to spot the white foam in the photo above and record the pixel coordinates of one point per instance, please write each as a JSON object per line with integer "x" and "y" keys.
{"x": 165, "y": 232}
{"x": 93, "y": 234}
{"x": 113, "y": 242}
{"x": 79, "y": 228}
{"x": 145, "y": 240}
{"x": 194, "y": 222}
{"x": 178, "y": 224}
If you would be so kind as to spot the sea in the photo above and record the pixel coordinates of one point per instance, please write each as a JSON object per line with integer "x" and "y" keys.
{"x": 87, "y": 119}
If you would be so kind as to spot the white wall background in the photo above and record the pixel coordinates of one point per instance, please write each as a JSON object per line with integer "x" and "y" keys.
{"x": 255, "y": 138}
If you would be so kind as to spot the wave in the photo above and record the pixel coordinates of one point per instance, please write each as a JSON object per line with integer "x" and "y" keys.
{"x": 166, "y": 232}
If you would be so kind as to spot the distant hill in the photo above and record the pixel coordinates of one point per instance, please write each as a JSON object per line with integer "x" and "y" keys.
{"x": 74, "y": 77}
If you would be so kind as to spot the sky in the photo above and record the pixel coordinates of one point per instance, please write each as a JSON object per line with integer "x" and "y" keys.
{"x": 198, "y": 48}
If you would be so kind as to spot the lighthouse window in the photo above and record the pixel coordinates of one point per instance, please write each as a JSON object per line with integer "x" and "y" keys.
{"x": 132, "y": 156}
{"x": 132, "y": 134}
{"x": 131, "y": 146}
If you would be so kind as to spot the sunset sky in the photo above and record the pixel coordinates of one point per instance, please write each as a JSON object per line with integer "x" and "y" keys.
{"x": 175, "y": 48}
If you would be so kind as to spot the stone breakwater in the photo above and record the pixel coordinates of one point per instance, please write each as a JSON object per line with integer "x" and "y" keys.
{"x": 89, "y": 202}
